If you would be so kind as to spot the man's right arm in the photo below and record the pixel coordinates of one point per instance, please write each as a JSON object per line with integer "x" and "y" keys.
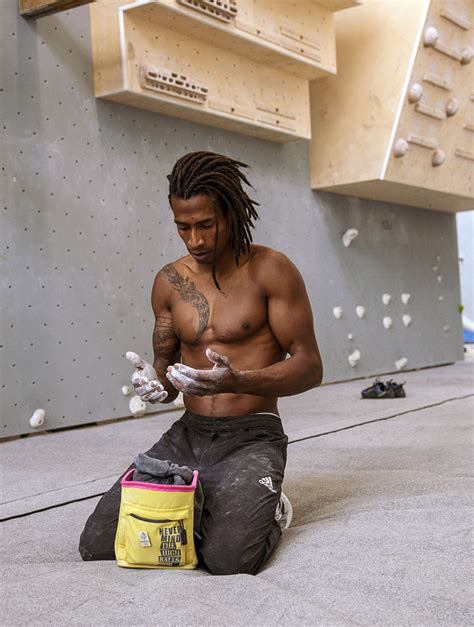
{"x": 166, "y": 344}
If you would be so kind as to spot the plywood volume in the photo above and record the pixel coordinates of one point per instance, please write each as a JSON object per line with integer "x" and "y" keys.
{"x": 140, "y": 62}
{"x": 394, "y": 124}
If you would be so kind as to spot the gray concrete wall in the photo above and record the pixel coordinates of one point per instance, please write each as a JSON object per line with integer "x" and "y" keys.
{"x": 86, "y": 226}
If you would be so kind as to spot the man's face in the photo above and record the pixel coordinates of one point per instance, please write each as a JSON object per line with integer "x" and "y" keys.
{"x": 196, "y": 222}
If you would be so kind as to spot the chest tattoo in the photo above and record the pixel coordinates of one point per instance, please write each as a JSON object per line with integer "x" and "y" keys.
{"x": 189, "y": 293}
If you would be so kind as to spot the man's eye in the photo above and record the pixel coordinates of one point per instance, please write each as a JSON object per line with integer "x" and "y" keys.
{"x": 207, "y": 226}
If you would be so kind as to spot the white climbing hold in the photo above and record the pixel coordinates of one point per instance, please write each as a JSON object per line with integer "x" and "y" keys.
{"x": 440, "y": 298}
{"x": 337, "y": 311}
{"x": 431, "y": 36}
{"x": 438, "y": 258}
{"x": 179, "y": 400}
{"x": 400, "y": 148}
{"x": 354, "y": 358}
{"x": 348, "y": 236}
{"x": 360, "y": 311}
{"x": 467, "y": 54}
{"x": 415, "y": 93}
{"x": 386, "y": 298}
{"x": 439, "y": 278}
{"x": 137, "y": 406}
{"x": 37, "y": 419}
{"x": 387, "y": 322}
{"x": 126, "y": 390}
{"x": 452, "y": 107}
{"x": 435, "y": 268}
{"x": 350, "y": 336}
{"x": 406, "y": 319}
{"x": 438, "y": 158}
{"x": 405, "y": 298}
{"x": 446, "y": 328}
{"x": 401, "y": 363}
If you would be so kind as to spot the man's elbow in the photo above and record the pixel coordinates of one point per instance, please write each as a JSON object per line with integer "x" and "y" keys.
{"x": 317, "y": 371}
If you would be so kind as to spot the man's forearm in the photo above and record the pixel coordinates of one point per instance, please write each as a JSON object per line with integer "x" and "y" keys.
{"x": 291, "y": 376}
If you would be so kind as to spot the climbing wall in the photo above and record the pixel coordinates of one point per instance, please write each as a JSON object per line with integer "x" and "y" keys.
{"x": 86, "y": 226}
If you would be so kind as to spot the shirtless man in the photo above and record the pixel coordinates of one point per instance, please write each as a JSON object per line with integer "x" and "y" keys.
{"x": 230, "y": 312}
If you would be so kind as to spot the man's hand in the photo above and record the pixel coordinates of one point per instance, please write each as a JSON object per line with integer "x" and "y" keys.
{"x": 222, "y": 377}
{"x": 145, "y": 380}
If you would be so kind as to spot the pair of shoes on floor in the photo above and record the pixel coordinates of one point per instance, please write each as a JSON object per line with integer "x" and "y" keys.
{"x": 379, "y": 389}
{"x": 284, "y": 512}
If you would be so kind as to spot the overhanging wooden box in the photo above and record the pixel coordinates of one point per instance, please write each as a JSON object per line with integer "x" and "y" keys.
{"x": 241, "y": 65}
{"x": 396, "y": 123}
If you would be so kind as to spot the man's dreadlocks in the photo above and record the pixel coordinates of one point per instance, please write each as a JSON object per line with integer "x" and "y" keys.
{"x": 218, "y": 176}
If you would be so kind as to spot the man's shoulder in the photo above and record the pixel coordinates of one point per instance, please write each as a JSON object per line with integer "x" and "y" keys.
{"x": 267, "y": 258}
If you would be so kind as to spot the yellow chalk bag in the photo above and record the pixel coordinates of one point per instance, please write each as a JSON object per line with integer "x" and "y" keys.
{"x": 156, "y": 525}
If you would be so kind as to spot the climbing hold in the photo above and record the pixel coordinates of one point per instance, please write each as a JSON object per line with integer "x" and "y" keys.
{"x": 337, "y": 311}
{"x": 431, "y": 36}
{"x": 400, "y": 147}
{"x": 37, "y": 419}
{"x": 126, "y": 390}
{"x": 466, "y": 55}
{"x": 438, "y": 158}
{"x": 406, "y": 319}
{"x": 360, "y": 311}
{"x": 387, "y": 322}
{"x": 354, "y": 358}
{"x": 137, "y": 406}
{"x": 440, "y": 298}
{"x": 452, "y": 107}
{"x": 348, "y": 236}
{"x": 446, "y": 328}
{"x": 405, "y": 298}
{"x": 350, "y": 336}
{"x": 401, "y": 363}
{"x": 415, "y": 92}
{"x": 439, "y": 278}
{"x": 179, "y": 400}
{"x": 386, "y": 298}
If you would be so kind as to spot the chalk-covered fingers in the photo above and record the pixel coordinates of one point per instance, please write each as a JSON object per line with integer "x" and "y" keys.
{"x": 187, "y": 385}
{"x": 145, "y": 380}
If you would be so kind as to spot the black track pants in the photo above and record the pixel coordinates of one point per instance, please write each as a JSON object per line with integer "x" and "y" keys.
{"x": 241, "y": 461}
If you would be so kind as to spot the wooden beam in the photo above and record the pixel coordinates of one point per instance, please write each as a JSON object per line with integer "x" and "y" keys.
{"x": 38, "y": 8}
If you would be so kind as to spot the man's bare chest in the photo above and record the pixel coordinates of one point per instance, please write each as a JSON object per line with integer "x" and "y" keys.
{"x": 200, "y": 313}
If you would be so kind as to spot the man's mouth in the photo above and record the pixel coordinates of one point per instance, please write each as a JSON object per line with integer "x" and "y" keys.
{"x": 199, "y": 255}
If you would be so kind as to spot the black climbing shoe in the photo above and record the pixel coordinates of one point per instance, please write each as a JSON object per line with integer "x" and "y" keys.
{"x": 396, "y": 389}
{"x": 376, "y": 390}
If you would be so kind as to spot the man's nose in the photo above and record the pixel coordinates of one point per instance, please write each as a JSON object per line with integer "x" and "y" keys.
{"x": 195, "y": 239}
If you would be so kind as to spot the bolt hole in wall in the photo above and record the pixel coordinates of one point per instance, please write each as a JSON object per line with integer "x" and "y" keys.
{"x": 86, "y": 226}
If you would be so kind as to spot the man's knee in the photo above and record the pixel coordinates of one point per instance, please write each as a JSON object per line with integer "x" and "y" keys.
{"x": 94, "y": 544}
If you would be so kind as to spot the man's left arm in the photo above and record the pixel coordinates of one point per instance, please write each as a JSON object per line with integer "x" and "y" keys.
{"x": 291, "y": 320}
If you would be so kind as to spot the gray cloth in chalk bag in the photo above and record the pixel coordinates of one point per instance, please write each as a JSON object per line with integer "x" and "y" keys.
{"x": 155, "y": 470}
{"x": 152, "y": 470}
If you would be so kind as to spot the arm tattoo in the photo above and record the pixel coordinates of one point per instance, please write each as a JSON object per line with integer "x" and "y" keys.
{"x": 189, "y": 294}
{"x": 164, "y": 338}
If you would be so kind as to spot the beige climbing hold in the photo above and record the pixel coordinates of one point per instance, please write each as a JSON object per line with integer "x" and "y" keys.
{"x": 466, "y": 55}
{"x": 446, "y": 328}
{"x": 405, "y": 298}
{"x": 337, "y": 311}
{"x": 431, "y": 36}
{"x": 452, "y": 107}
{"x": 137, "y": 406}
{"x": 439, "y": 278}
{"x": 386, "y": 298}
{"x": 387, "y": 322}
{"x": 401, "y": 363}
{"x": 406, "y": 319}
{"x": 37, "y": 419}
{"x": 439, "y": 157}
{"x": 435, "y": 268}
{"x": 348, "y": 236}
{"x": 126, "y": 390}
{"x": 350, "y": 336}
{"x": 179, "y": 400}
{"x": 360, "y": 311}
{"x": 354, "y": 358}
{"x": 440, "y": 298}
{"x": 415, "y": 93}
{"x": 400, "y": 147}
